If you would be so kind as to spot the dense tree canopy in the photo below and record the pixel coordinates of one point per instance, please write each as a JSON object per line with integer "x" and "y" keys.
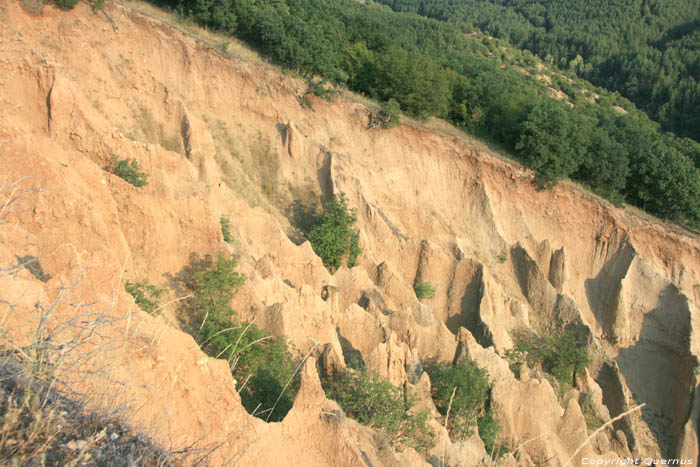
{"x": 648, "y": 50}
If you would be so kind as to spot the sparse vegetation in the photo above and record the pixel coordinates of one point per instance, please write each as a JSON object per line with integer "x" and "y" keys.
{"x": 263, "y": 366}
{"x": 38, "y": 426}
{"x": 424, "y": 290}
{"x": 562, "y": 355}
{"x": 503, "y": 256}
{"x": 145, "y": 295}
{"x": 150, "y": 130}
{"x": 226, "y": 229}
{"x": 130, "y": 171}
{"x": 375, "y": 402}
{"x": 333, "y": 238}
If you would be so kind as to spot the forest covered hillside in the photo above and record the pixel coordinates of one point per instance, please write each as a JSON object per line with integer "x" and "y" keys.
{"x": 647, "y": 50}
{"x": 428, "y": 67}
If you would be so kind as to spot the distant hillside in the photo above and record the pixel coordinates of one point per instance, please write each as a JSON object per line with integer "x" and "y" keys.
{"x": 648, "y": 50}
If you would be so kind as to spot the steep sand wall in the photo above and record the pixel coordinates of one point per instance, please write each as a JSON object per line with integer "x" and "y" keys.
{"x": 222, "y": 136}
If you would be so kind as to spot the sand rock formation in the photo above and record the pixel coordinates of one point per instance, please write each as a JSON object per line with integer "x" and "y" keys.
{"x": 221, "y": 136}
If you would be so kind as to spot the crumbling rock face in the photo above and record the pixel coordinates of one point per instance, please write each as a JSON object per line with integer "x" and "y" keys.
{"x": 227, "y": 137}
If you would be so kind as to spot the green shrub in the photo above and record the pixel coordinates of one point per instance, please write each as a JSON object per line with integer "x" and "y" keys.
{"x": 130, "y": 171}
{"x": 226, "y": 229}
{"x": 66, "y": 4}
{"x": 321, "y": 90}
{"x": 391, "y": 113}
{"x": 470, "y": 385}
{"x": 333, "y": 238}
{"x": 489, "y": 429}
{"x": 97, "y": 5}
{"x": 145, "y": 295}
{"x": 424, "y": 290}
{"x": 263, "y": 366}
{"x": 375, "y": 402}
{"x": 562, "y": 355}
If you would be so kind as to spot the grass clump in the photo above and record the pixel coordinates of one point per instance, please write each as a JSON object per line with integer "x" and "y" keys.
{"x": 226, "y": 229}
{"x": 374, "y": 402}
{"x": 130, "y": 171}
{"x": 424, "y": 290}
{"x": 332, "y": 237}
{"x": 145, "y": 295}
{"x": 263, "y": 366}
{"x": 562, "y": 355}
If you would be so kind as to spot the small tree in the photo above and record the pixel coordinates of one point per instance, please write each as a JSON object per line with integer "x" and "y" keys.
{"x": 463, "y": 389}
{"x": 333, "y": 238}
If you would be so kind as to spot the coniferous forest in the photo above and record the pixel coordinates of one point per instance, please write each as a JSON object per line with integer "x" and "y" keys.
{"x": 631, "y": 137}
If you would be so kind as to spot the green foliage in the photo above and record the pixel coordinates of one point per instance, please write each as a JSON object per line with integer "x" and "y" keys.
{"x": 424, "y": 290}
{"x": 444, "y": 66}
{"x": 646, "y": 50}
{"x": 262, "y": 365}
{"x": 391, "y": 113}
{"x": 489, "y": 430}
{"x": 333, "y": 238}
{"x": 321, "y": 89}
{"x": 562, "y": 355}
{"x": 98, "y": 5}
{"x": 470, "y": 386}
{"x": 145, "y": 295}
{"x": 129, "y": 170}
{"x": 66, "y": 4}
{"x": 547, "y": 142}
{"x": 375, "y": 402}
{"x": 226, "y": 229}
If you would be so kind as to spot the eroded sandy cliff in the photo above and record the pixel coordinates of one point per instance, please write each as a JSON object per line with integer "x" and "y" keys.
{"x": 229, "y": 136}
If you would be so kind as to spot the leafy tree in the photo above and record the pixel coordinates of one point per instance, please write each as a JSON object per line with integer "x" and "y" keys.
{"x": 463, "y": 389}
{"x": 546, "y": 143}
{"x": 333, "y": 238}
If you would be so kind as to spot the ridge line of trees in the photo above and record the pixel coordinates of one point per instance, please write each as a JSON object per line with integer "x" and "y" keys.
{"x": 432, "y": 68}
